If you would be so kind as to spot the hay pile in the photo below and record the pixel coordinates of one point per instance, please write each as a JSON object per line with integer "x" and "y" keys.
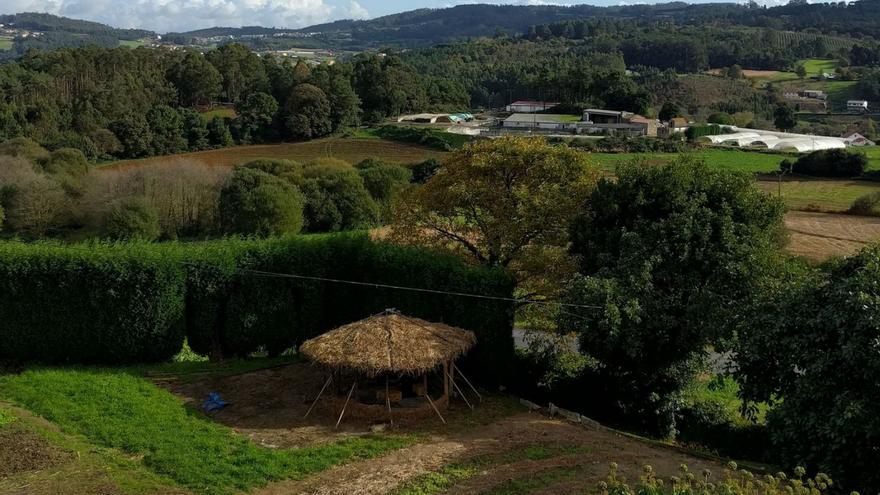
{"x": 389, "y": 343}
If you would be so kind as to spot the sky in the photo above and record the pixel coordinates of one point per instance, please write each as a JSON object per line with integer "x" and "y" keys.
{"x": 184, "y": 15}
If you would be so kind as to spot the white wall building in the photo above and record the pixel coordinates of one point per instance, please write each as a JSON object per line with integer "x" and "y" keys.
{"x": 857, "y": 105}
{"x": 529, "y": 106}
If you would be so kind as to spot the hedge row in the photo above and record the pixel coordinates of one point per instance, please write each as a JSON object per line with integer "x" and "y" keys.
{"x": 102, "y": 304}
{"x": 135, "y": 302}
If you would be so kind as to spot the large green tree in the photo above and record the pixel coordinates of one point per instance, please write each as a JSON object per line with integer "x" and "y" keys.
{"x": 665, "y": 255}
{"x": 307, "y": 113}
{"x": 196, "y": 80}
{"x": 810, "y": 349}
{"x": 503, "y": 202}
{"x": 254, "y": 202}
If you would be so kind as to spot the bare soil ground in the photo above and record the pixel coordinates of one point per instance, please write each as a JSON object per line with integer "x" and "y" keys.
{"x": 37, "y": 459}
{"x": 268, "y": 406}
{"x": 23, "y": 450}
{"x": 349, "y": 150}
{"x": 819, "y": 236}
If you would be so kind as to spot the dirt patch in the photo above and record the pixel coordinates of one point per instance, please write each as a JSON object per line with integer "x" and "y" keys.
{"x": 22, "y": 450}
{"x": 819, "y": 236}
{"x": 385, "y": 474}
{"x": 268, "y": 407}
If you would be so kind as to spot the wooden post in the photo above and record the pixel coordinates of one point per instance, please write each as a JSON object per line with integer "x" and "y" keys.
{"x": 455, "y": 386}
{"x": 388, "y": 401}
{"x": 455, "y": 366}
{"x": 446, "y": 380}
{"x": 329, "y": 379}
{"x": 435, "y": 407}
{"x": 353, "y": 385}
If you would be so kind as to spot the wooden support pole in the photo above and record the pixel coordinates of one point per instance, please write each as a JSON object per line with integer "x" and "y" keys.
{"x": 455, "y": 366}
{"x": 435, "y": 407}
{"x": 353, "y": 385}
{"x": 455, "y": 385}
{"x": 326, "y": 384}
{"x": 446, "y": 380}
{"x": 388, "y": 401}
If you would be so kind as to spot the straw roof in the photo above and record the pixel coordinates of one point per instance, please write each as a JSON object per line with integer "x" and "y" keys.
{"x": 389, "y": 343}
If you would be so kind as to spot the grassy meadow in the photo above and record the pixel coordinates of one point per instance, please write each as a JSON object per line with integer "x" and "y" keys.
{"x": 5, "y": 43}
{"x": 120, "y": 410}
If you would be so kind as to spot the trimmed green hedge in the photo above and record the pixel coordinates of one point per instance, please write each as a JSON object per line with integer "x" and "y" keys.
{"x": 95, "y": 304}
{"x": 234, "y": 313}
{"x": 132, "y": 302}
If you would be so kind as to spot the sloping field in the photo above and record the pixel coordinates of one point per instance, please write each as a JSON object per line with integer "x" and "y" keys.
{"x": 819, "y": 236}
{"x": 350, "y": 150}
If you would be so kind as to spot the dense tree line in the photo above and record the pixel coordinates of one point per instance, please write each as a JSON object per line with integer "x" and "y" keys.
{"x": 132, "y": 103}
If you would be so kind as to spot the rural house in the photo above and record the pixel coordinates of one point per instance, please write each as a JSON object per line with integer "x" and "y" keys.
{"x": 856, "y": 139}
{"x": 857, "y": 106}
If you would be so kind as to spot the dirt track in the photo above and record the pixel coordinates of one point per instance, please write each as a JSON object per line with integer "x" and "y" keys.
{"x": 268, "y": 405}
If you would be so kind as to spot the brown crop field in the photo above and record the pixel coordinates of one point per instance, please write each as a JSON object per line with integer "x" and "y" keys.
{"x": 349, "y": 150}
{"x": 819, "y": 236}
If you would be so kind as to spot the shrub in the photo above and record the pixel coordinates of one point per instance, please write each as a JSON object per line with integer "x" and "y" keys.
{"x": 383, "y": 180}
{"x": 94, "y": 304}
{"x": 336, "y": 199}
{"x": 734, "y": 482}
{"x": 865, "y": 205}
{"x": 24, "y": 148}
{"x": 698, "y": 131}
{"x": 66, "y": 161}
{"x": 831, "y": 163}
{"x": 721, "y": 118}
{"x": 254, "y": 202}
{"x": 132, "y": 218}
{"x": 423, "y": 171}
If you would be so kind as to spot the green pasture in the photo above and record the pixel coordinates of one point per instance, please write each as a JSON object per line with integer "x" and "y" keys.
{"x": 218, "y": 112}
{"x": 5, "y": 44}
{"x": 724, "y": 159}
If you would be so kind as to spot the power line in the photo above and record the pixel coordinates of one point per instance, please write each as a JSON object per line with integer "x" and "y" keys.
{"x": 415, "y": 289}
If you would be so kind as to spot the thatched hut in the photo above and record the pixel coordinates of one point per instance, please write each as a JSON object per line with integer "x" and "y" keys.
{"x": 389, "y": 358}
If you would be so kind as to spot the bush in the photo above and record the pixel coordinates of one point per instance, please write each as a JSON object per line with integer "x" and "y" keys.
{"x": 254, "y": 202}
{"x": 734, "y": 482}
{"x": 383, "y": 180}
{"x": 712, "y": 425}
{"x": 66, "y": 161}
{"x": 132, "y": 218}
{"x": 831, "y": 163}
{"x": 423, "y": 171}
{"x": 94, "y": 304}
{"x": 865, "y": 205}
{"x": 336, "y": 199}
{"x": 721, "y": 118}
{"x": 698, "y": 131}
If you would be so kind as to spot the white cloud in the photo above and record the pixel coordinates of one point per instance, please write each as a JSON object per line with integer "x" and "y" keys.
{"x": 183, "y": 15}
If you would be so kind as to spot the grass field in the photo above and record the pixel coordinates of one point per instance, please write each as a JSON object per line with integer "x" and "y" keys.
{"x": 349, "y": 150}
{"x": 745, "y": 161}
{"x": 5, "y": 44}
{"x": 131, "y": 43}
{"x": 820, "y": 194}
{"x": 224, "y": 112}
{"x": 119, "y": 410}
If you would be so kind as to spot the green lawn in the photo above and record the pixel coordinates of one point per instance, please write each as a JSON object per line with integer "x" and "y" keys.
{"x": 218, "y": 112}
{"x": 746, "y": 161}
{"x": 5, "y": 44}
{"x": 120, "y": 410}
{"x": 131, "y": 43}
{"x": 816, "y": 66}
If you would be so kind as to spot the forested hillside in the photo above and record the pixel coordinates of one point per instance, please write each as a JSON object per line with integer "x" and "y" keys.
{"x": 58, "y": 32}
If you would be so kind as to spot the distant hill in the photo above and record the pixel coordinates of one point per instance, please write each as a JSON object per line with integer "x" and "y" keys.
{"x": 51, "y": 23}
{"x": 49, "y": 32}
